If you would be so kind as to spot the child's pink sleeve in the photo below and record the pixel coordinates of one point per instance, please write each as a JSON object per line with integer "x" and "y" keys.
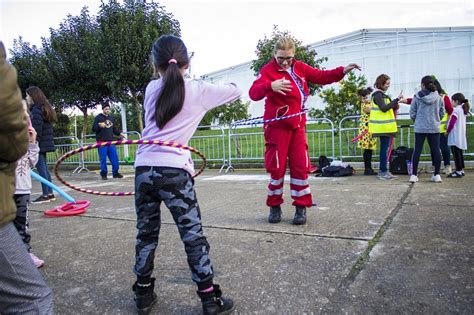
{"x": 452, "y": 122}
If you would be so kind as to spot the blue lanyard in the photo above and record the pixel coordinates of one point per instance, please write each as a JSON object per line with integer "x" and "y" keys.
{"x": 299, "y": 84}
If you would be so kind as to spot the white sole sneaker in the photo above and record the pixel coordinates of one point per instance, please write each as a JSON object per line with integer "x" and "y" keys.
{"x": 413, "y": 179}
{"x": 436, "y": 178}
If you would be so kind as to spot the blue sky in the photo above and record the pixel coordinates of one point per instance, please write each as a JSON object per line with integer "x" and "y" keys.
{"x": 224, "y": 33}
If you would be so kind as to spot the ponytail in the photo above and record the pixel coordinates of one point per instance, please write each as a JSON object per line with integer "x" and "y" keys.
{"x": 171, "y": 98}
{"x": 465, "y": 107}
{"x": 169, "y": 56}
{"x": 459, "y": 97}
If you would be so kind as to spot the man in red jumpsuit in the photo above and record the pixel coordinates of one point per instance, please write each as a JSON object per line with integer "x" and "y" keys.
{"x": 283, "y": 82}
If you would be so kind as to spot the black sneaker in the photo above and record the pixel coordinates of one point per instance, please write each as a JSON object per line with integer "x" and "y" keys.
{"x": 300, "y": 216}
{"x": 145, "y": 297}
{"x": 275, "y": 214}
{"x": 51, "y": 197}
{"x": 104, "y": 177}
{"x": 370, "y": 172}
{"x": 214, "y": 303}
{"x": 118, "y": 175}
{"x": 41, "y": 199}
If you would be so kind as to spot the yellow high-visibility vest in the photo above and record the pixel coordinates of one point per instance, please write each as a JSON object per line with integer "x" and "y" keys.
{"x": 382, "y": 122}
{"x": 444, "y": 122}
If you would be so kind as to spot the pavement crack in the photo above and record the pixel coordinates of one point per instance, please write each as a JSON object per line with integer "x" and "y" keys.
{"x": 365, "y": 256}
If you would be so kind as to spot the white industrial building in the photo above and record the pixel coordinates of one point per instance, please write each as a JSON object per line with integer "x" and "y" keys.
{"x": 405, "y": 54}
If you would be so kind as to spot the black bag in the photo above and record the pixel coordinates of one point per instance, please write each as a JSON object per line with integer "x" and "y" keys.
{"x": 323, "y": 161}
{"x": 400, "y": 160}
{"x": 337, "y": 171}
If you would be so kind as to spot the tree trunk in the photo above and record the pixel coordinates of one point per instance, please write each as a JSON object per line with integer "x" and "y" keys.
{"x": 140, "y": 120}
{"x": 138, "y": 108}
{"x": 85, "y": 121}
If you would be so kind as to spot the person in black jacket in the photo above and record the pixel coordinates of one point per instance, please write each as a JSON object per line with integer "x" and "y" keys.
{"x": 105, "y": 129}
{"x": 42, "y": 118}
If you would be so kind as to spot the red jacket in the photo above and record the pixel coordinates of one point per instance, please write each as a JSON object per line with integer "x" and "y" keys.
{"x": 276, "y": 104}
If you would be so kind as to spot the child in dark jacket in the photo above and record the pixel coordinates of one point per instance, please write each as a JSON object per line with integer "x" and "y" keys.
{"x": 42, "y": 117}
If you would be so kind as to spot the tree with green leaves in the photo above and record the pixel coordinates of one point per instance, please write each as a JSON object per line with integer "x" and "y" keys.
{"x": 127, "y": 32}
{"x": 343, "y": 101}
{"x": 265, "y": 48}
{"x": 32, "y": 66}
{"x": 224, "y": 115}
{"x": 74, "y": 62}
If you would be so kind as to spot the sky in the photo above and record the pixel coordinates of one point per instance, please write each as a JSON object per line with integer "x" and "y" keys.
{"x": 225, "y": 33}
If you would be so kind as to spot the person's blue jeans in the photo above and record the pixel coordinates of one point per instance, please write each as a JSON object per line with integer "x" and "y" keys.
{"x": 445, "y": 151}
{"x": 111, "y": 153}
{"x": 43, "y": 171}
{"x": 384, "y": 144}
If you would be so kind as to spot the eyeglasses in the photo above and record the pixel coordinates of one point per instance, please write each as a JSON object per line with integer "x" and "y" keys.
{"x": 281, "y": 59}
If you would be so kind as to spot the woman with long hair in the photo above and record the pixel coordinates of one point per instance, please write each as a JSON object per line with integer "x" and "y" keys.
{"x": 42, "y": 118}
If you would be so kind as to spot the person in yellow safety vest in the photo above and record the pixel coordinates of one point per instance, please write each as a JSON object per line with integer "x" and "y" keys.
{"x": 443, "y": 140}
{"x": 382, "y": 121}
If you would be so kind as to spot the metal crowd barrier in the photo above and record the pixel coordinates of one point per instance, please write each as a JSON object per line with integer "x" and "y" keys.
{"x": 64, "y": 145}
{"x": 405, "y": 137}
{"x": 246, "y": 145}
{"x": 212, "y": 145}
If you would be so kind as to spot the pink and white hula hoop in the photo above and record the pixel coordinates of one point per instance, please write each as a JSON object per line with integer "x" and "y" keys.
{"x": 121, "y": 142}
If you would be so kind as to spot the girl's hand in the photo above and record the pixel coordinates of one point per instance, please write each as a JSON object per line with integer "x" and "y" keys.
{"x": 367, "y": 109}
{"x": 281, "y": 86}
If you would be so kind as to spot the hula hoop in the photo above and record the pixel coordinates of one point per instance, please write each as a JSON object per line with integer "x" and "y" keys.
{"x": 121, "y": 142}
{"x": 68, "y": 209}
{"x": 260, "y": 120}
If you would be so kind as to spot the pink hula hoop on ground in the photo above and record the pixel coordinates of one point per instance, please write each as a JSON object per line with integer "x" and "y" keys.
{"x": 69, "y": 209}
{"x": 122, "y": 142}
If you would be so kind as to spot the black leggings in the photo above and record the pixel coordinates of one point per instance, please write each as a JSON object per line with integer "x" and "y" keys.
{"x": 458, "y": 158}
{"x": 433, "y": 142}
{"x": 367, "y": 159}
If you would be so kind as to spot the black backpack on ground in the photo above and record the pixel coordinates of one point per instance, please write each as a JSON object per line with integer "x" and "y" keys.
{"x": 337, "y": 171}
{"x": 323, "y": 161}
{"x": 400, "y": 159}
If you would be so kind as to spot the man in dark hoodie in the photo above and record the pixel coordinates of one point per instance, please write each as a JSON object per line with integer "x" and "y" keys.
{"x": 105, "y": 129}
{"x": 426, "y": 110}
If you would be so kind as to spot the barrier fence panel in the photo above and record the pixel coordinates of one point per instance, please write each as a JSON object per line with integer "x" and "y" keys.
{"x": 64, "y": 145}
{"x": 320, "y": 134}
{"x": 248, "y": 144}
{"x": 348, "y": 130}
{"x": 245, "y": 144}
{"x": 210, "y": 140}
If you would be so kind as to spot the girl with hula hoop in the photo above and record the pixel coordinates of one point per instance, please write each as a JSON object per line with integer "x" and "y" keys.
{"x": 173, "y": 109}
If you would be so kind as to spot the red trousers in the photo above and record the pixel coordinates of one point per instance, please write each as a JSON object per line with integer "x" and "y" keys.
{"x": 282, "y": 145}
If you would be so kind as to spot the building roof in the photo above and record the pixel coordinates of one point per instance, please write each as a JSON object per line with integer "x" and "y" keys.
{"x": 363, "y": 34}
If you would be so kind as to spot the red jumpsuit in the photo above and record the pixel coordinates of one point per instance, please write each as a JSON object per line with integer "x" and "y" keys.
{"x": 286, "y": 139}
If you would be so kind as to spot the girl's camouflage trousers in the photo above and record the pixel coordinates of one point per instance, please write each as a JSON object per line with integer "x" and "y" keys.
{"x": 175, "y": 187}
